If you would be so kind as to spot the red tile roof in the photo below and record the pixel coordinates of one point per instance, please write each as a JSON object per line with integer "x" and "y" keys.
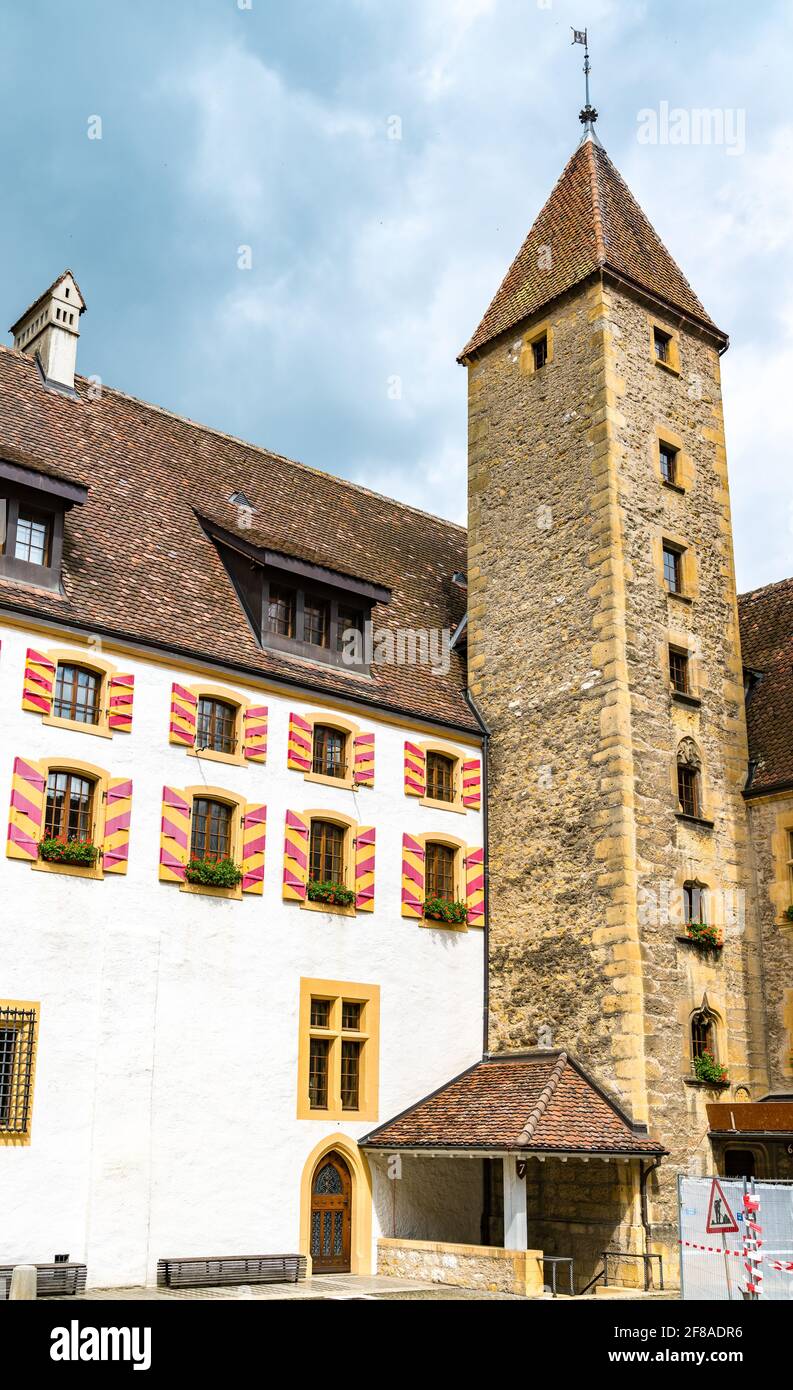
{"x": 591, "y": 222}
{"x": 138, "y": 563}
{"x": 766, "y": 617}
{"x": 536, "y": 1101}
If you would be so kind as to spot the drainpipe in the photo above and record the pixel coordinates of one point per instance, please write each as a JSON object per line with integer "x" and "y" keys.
{"x": 643, "y": 1176}
{"x": 486, "y": 865}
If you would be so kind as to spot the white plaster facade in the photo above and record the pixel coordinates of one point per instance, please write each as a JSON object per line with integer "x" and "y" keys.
{"x": 164, "y": 1111}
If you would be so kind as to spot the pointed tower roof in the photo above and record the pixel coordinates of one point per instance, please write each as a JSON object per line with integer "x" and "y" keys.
{"x": 591, "y": 222}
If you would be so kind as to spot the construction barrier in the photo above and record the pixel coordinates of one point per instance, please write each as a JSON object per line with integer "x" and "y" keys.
{"x": 736, "y": 1238}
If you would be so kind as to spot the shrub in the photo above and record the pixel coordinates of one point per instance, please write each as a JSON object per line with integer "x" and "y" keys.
{"x": 213, "y": 873}
{"x": 706, "y": 1068}
{"x": 60, "y": 849}
{"x": 334, "y": 894}
{"x": 441, "y": 910}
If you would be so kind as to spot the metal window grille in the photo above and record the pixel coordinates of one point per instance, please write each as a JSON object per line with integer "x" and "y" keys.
{"x": 316, "y": 621}
{"x": 216, "y": 726}
{"x": 440, "y": 777}
{"x": 678, "y": 670}
{"x": 32, "y": 538}
{"x": 668, "y": 457}
{"x": 688, "y": 790}
{"x": 350, "y": 1074}
{"x": 329, "y": 749}
{"x": 326, "y": 853}
{"x": 319, "y": 1049}
{"x": 77, "y": 694}
{"x": 439, "y": 867}
{"x": 69, "y": 806}
{"x": 281, "y": 611}
{"x": 672, "y": 569}
{"x": 17, "y": 1043}
{"x": 210, "y": 835}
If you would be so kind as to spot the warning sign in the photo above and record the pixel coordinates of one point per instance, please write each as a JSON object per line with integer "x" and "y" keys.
{"x": 720, "y": 1218}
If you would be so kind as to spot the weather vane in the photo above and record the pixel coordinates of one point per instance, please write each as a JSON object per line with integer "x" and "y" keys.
{"x": 589, "y": 115}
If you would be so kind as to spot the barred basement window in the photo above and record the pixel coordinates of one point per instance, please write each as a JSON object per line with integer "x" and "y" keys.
{"x": 439, "y": 871}
{"x": 216, "y": 726}
{"x": 329, "y": 752}
{"x": 17, "y": 1042}
{"x": 77, "y": 692}
{"x": 69, "y": 811}
{"x": 210, "y": 835}
{"x": 326, "y": 852}
{"x": 678, "y": 670}
{"x": 440, "y": 777}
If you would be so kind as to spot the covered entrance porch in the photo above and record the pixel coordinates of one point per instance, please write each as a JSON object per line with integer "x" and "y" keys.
{"x": 520, "y": 1168}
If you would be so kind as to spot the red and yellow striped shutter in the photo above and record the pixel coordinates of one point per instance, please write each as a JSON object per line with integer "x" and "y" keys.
{"x": 364, "y": 868}
{"x": 183, "y": 716}
{"x": 115, "y": 850}
{"x": 174, "y": 836}
{"x": 363, "y": 760}
{"x": 254, "y": 733}
{"x": 121, "y": 690}
{"x": 475, "y": 886}
{"x": 412, "y": 877}
{"x": 254, "y": 830}
{"x": 300, "y": 748}
{"x": 39, "y": 682}
{"x": 415, "y": 770}
{"x": 472, "y": 784}
{"x": 26, "y": 819}
{"x": 296, "y": 838}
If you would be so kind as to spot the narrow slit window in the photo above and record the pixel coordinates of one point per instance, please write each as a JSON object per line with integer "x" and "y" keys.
{"x": 668, "y": 459}
{"x": 663, "y": 345}
{"x": 673, "y": 570}
{"x": 539, "y": 350}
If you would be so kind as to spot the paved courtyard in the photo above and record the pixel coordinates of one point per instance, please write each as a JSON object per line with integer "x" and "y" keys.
{"x": 328, "y": 1287}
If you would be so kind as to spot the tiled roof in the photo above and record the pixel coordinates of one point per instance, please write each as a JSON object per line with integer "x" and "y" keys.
{"x": 138, "y": 563}
{"x": 766, "y": 617}
{"x": 537, "y": 1101}
{"x": 590, "y": 222}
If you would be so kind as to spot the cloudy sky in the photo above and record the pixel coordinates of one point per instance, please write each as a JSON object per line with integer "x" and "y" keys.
{"x": 248, "y": 123}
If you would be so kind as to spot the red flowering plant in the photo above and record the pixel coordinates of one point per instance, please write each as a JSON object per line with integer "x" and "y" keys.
{"x": 704, "y": 933}
{"x": 706, "y": 1068}
{"x": 68, "y": 849}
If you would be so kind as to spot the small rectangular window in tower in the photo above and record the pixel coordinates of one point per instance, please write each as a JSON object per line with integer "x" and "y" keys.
{"x": 662, "y": 343}
{"x": 668, "y": 459}
{"x": 539, "y": 350}
{"x": 678, "y": 671}
{"x": 688, "y": 790}
{"x": 673, "y": 570}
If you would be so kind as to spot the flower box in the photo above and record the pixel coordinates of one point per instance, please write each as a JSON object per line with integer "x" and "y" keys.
{"x": 60, "y": 849}
{"x": 334, "y": 894}
{"x": 454, "y": 914}
{"x": 706, "y": 1068}
{"x": 705, "y": 934}
{"x": 213, "y": 873}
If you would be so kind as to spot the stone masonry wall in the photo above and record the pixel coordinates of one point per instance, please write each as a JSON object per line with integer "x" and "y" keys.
{"x": 771, "y": 820}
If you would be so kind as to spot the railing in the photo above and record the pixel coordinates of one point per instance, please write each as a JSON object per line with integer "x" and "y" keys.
{"x": 629, "y": 1255}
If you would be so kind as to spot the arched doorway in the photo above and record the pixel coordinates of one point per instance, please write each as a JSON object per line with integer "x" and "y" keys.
{"x": 331, "y": 1215}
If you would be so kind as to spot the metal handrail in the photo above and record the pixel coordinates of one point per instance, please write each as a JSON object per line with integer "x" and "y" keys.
{"x": 632, "y": 1255}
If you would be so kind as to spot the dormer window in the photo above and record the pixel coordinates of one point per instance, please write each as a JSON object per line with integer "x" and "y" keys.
{"x": 281, "y": 610}
{"x": 32, "y": 510}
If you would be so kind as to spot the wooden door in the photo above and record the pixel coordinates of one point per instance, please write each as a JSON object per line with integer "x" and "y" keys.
{"x": 331, "y": 1216}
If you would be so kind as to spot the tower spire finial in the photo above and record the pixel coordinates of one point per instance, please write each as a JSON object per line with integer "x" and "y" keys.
{"x": 588, "y": 115}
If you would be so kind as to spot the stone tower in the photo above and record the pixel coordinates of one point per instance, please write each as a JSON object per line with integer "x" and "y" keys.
{"x": 604, "y": 654}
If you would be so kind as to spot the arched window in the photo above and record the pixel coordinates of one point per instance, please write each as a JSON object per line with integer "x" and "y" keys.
{"x": 326, "y": 852}
{"x": 440, "y": 777}
{"x": 439, "y": 864}
{"x": 70, "y": 806}
{"x": 329, "y": 757}
{"x": 210, "y": 834}
{"x": 216, "y": 725}
{"x": 703, "y": 1034}
{"x": 695, "y": 909}
{"x": 689, "y": 778}
{"x": 77, "y": 694}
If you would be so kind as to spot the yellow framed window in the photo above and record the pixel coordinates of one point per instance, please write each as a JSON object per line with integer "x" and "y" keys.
{"x": 18, "y": 1040}
{"x": 338, "y": 1054}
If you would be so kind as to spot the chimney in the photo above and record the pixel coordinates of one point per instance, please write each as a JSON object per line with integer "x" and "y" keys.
{"x": 49, "y": 329}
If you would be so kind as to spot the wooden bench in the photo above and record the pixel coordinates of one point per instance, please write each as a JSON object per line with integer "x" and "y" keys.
{"x": 197, "y": 1271}
{"x": 51, "y": 1280}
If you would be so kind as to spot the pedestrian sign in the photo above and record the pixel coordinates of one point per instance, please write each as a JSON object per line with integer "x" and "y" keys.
{"x": 720, "y": 1218}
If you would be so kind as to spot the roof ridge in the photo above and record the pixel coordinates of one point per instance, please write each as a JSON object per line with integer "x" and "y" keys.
{"x": 257, "y": 448}
{"x": 597, "y": 207}
{"x": 545, "y": 1097}
{"x": 764, "y": 588}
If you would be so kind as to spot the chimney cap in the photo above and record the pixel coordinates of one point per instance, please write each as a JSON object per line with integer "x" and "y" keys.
{"x": 50, "y": 291}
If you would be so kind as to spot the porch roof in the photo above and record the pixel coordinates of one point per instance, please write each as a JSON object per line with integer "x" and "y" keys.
{"x": 540, "y": 1101}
